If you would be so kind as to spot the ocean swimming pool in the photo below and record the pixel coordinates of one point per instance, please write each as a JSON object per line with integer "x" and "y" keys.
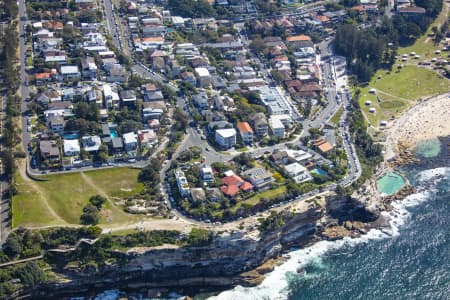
{"x": 390, "y": 183}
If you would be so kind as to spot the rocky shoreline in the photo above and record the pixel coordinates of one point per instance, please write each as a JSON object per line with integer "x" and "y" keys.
{"x": 238, "y": 258}
{"x": 234, "y": 259}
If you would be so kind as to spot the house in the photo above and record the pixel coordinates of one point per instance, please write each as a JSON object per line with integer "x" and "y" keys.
{"x": 322, "y": 145}
{"x": 201, "y": 101}
{"x": 42, "y": 78}
{"x": 128, "y": 98}
{"x": 111, "y": 98}
{"x": 198, "y": 195}
{"x": 246, "y": 132}
{"x": 213, "y": 116}
{"x": 71, "y": 147}
{"x": 203, "y": 76}
{"x": 147, "y": 137}
{"x": 88, "y": 68}
{"x": 259, "y": 124}
{"x": 91, "y": 143}
{"x": 154, "y": 124}
{"x": 207, "y": 174}
{"x": 70, "y": 72}
{"x": 280, "y": 157}
{"x": 277, "y": 127}
{"x": 152, "y": 93}
{"x": 106, "y": 131}
{"x": 233, "y": 184}
{"x": 182, "y": 183}
{"x": 189, "y": 77}
{"x": 116, "y": 144}
{"x": 48, "y": 96}
{"x": 117, "y": 73}
{"x": 213, "y": 126}
{"x": 213, "y": 194}
{"x": 130, "y": 141}
{"x": 296, "y": 41}
{"x": 412, "y": 11}
{"x": 218, "y": 82}
{"x": 151, "y": 113}
{"x": 226, "y": 138}
{"x": 56, "y": 124}
{"x": 258, "y": 177}
{"x": 49, "y": 151}
{"x": 84, "y": 4}
{"x": 298, "y": 172}
{"x": 58, "y": 109}
{"x": 299, "y": 156}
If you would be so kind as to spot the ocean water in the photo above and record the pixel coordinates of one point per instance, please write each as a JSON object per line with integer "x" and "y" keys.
{"x": 409, "y": 260}
{"x": 428, "y": 148}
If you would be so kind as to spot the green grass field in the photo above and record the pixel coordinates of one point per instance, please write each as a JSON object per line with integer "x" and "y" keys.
{"x": 269, "y": 194}
{"x": 61, "y": 199}
{"x": 397, "y": 90}
{"x": 337, "y": 116}
{"x": 425, "y": 46}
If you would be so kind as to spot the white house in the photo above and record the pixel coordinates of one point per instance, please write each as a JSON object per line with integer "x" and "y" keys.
{"x": 226, "y": 138}
{"x": 91, "y": 143}
{"x": 298, "y": 172}
{"x": 70, "y": 72}
{"x": 71, "y": 148}
{"x": 207, "y": 174}
{"x": 277, "y": 127}
{"x": 111, "y": 98}
{"x": 203, "y": 76}
{"x": 182, "y": 183}
{"x": 130, "y": 141}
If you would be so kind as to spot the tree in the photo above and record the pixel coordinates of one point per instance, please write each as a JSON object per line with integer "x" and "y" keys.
{"x": 257, "y": 45}
{"x": 31, "y": 274}
{"x": 12, "y": 246}
{"x": 150, "y": 173}
{"x": 97, "y": 201}
{"x": 191, "y": 8}
{"x": 199, "y": 237}
{"x": 90, "y": 215}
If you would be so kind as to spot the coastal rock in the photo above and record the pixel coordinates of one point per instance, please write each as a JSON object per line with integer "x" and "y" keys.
{"x": 336, "y": 232}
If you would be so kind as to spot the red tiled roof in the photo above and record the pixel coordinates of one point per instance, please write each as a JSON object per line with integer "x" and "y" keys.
{"x": 232, "y": 180}
{"x": 244, "y": 127}
{"x": 44, "y": 75}
{"x": 230, "y": 190}
{"x": 246, "y": 186}
{"x": 297, "y": 38}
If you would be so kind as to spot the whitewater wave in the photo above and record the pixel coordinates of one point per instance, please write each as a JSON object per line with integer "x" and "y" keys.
{"x": 275, "y": 285}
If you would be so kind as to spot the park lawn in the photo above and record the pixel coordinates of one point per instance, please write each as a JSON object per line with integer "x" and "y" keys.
{"x": 29, "y": 208}
{"x": 269, "y": 194}
{"x": 425, "y": 46}
{"x": 117, "y": 182}
{"x": 398, "y": 90}
{"x": 337, "y": 116}
{"x": 67, "y": 194}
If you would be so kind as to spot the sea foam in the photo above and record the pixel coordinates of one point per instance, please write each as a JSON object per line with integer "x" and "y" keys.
{"x": 275, "y": 285}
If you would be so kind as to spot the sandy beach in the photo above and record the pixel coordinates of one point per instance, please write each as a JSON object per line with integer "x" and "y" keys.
{"x": 428, "y": 119}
